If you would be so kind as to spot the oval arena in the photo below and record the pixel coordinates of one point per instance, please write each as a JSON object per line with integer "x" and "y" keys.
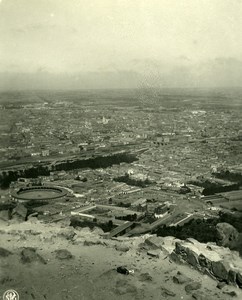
{"x": 38, "y": 193}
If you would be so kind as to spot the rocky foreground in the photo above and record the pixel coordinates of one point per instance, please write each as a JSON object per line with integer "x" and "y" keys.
{"x": 58, "y": 262}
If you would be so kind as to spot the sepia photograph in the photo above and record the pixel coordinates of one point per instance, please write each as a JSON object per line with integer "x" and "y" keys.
{"x": 120, "y": 149}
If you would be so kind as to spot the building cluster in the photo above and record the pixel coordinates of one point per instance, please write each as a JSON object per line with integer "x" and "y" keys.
{"x": 177, "y": 141}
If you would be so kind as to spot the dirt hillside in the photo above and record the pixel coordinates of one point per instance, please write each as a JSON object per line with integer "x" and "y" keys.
{"x": 55, "y": 262}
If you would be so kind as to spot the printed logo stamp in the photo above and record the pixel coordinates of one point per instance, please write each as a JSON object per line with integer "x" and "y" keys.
{"x": 10, "y": 295}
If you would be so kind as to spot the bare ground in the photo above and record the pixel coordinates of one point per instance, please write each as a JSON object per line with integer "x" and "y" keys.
{"x": 87, "y": 270}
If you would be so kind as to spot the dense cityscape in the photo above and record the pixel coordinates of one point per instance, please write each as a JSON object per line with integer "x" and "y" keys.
{"x": 154, "y": 159}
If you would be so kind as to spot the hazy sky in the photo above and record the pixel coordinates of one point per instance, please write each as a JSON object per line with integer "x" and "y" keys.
{"x": 172, "y": 42}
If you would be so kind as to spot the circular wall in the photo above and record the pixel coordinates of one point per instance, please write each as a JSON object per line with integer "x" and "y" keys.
{"x": 39, "y": 193}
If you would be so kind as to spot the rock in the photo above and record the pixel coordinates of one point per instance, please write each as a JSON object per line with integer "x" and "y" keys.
{"x": 154, "y": 242}
{"x": 198, "y": 295}
{"x": 232, "y": 276}
{"x": 181, "y": 250}
{"x": 143, "y": 246}
{"x": 4, "y": 252}
{"x": 226, "y": 235}
{"x": 154, "y": 253}
{"x": 192, "y": 258}
{"x": 187, "y": 254}
{"x": 239, "y": 279}
{"x": 204, "y": 261}
{"x": 98, "y": 231}
{"x": 181, "y": 278}
{"x": 29, "y": 255}
{"x": 231, "y": 293}
{"x": 238, "y": 247}
{"x": 4, "y": 215}
{"x": 221, "y": 269}
{"x": 35, "y": 214}
{"x": 93, "y": 242}
{"x": 19, "y": 213}
{"x": 121, "y": 248}
{"x": 63, "y": 254}
{"x": 176, "y": 258}
{"x": 165, "y": 292}
{"x": 67, "y": 234}
{"x": 221, "y": 285}
{"x": 145, "y": 277}
{"x": 192, "y": 286}
{"x": 209, "y": 273}
{"x": 33, "y": 218}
